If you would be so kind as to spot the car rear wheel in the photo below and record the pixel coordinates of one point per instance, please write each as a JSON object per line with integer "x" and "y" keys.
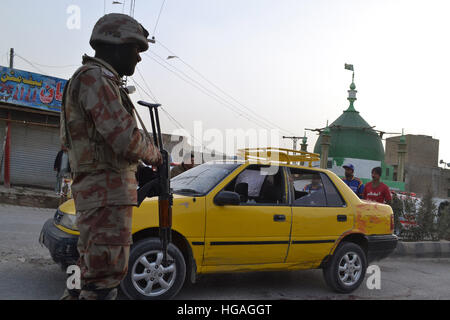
{"x": 148, "y": 278}
{"x": 347, "y": 268}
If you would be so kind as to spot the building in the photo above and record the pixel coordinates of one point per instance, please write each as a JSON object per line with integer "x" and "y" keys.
{"x": 29, "y": 127}
{"x": 352, "y": 139}
{"x": 30, "y": 106}
{"x": 421, "y": 169}
{"x": 409, "y": 162}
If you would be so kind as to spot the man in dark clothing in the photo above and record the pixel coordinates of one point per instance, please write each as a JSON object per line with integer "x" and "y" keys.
{"x": 62, "y": 167}
{"x": 187, "y": 164}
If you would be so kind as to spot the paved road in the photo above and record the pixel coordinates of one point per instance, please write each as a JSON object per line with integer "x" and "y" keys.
{"x": 27, "y": 272}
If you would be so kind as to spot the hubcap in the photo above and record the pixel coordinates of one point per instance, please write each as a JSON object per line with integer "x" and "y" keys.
{"x": 150, "y": 277}
{"x": 350, "y": 268}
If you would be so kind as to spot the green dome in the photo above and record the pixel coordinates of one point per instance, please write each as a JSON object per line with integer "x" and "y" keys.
{"x": 353, "y": 137}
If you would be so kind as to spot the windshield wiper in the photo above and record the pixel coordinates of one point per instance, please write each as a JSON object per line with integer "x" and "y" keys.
{"x": 186, "y": 191}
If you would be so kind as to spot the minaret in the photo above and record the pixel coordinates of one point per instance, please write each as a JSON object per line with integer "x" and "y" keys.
{"x": 352, "y": 94}
{"x": 304, "y": 146}
{"x": 401, "y": 158}
{"x": 325, "y": 145}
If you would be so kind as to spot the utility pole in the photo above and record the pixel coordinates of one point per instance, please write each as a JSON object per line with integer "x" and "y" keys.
{"x": 325, "y": 147}
{"x": 7, "y": 143}
{"x": 294, "y": 140}
{"x": 11, "y": 58}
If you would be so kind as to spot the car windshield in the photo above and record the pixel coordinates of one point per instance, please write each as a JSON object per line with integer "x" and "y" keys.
{"x": 202, "y": 179}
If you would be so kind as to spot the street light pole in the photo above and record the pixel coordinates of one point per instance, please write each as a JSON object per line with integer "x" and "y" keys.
{"x": 11, "y": 58}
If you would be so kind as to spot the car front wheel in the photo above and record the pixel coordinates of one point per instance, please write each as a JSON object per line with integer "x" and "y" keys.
{"x": 148, "y": 278}
{"x": 346, "y": 269}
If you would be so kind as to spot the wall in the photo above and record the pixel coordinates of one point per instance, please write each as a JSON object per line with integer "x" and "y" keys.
{"x": 422, "y": 151}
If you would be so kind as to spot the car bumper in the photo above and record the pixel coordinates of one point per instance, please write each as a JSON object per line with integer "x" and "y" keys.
{"x": 380, "y": 246}
{"x": 62, "y": 246}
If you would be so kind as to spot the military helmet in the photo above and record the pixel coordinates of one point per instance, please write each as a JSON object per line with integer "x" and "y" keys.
{"x": 117, "y": 28}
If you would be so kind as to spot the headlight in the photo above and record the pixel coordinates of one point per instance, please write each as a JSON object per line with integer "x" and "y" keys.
{"x": 66, "y": 220}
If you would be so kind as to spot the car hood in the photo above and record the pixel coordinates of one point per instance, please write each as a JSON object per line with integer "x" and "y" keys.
{"x": 69, "y": 206}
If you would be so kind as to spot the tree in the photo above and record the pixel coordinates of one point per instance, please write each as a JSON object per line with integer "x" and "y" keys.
{"x": 426, "y": 214}
{"x": 397, "y": 208}
{"x": 444, "y": 221}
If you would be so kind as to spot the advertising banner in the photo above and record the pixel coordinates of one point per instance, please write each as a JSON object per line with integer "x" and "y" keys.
{"x": 27, "y": 89}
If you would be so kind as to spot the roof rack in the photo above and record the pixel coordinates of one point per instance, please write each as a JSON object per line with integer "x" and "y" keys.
{"x": 271, "y": 154}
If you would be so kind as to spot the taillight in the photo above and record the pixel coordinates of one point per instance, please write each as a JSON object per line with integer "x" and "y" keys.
{"x": 392, "y": 223}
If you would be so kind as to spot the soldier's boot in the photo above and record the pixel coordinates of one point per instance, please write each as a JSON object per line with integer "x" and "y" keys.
{"x": 70, "y": 295}
{"x": 99, "y": 294}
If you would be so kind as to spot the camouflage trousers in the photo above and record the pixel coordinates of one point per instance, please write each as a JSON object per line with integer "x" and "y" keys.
{"x": 104, "y": 247}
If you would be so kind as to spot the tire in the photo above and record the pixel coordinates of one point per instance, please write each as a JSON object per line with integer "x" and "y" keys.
{"x": 146, "y": 278}
{"x": 349, "y": 259}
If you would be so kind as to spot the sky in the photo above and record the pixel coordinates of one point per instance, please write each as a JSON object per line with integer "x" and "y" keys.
{"x": 282, "y": 60}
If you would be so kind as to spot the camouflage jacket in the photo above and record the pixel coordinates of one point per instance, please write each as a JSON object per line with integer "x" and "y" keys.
{"x": 104, "y": 144}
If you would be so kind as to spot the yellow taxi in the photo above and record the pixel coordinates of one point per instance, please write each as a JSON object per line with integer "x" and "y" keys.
{"x": 252, "y": 215}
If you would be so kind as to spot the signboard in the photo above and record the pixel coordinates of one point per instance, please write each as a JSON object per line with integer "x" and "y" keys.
{"x": 31, "y": 90}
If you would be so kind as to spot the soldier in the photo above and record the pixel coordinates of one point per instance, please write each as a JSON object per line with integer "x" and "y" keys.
{"x": 99, "y": 129}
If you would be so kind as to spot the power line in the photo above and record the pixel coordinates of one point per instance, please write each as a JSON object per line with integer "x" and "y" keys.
{"x": 56, "y": 67}
{"x": 159, "y": 16}
{"x": 210, "y": 93}
{"x": 198, "y": 87}
{"x": 146, "y": 85}
{"x": 221, "y": 90}
{"x": 171, "y": 118}
{"x": 30, "y": 63}
{"x": 153, "y": 98}
{"x": 132, "y": 7}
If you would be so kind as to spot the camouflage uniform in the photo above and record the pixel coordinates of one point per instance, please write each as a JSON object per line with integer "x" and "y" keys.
{"x": 104, "y": 144}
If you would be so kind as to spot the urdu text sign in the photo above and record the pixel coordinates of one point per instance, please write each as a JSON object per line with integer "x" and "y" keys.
{"x": 31, "y": 90}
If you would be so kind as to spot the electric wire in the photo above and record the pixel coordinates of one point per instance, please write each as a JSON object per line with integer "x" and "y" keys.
{"x": 210, "y": 93}
{"x": 30, "y": 63}
{"x": 223, "y": 91}
{"x": 159, "y": 16}
{"x": 146, "y": 85}
{"x": 132, "y": 7}
{"x": 201, "y": 89}
{"x": 171, "y": 118}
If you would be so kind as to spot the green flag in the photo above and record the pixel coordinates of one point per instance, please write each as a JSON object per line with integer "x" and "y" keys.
{"x": 349, "y": 67}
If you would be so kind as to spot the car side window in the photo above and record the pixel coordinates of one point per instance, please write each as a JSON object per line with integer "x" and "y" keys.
{"x": 257, "y": 185}
{"x": 308, "y": 188}
{"x": 333, "y": 196}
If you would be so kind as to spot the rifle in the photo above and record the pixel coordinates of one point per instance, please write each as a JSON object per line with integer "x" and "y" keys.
{"x": 165, "y": 196}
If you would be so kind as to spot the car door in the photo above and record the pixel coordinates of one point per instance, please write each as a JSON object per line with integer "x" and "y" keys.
{"x": 319, "y": 216}
{"x": 257, "y": 230}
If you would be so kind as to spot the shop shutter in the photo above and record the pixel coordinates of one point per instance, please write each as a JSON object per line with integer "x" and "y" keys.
{"x": 33, "y": 152}
{"x": 2, "y": 150}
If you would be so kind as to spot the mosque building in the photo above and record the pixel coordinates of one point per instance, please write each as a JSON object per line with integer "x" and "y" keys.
{"x": 352, "y": 140}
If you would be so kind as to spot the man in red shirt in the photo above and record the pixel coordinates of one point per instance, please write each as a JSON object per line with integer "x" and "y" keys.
{"x": 376, "y": 190}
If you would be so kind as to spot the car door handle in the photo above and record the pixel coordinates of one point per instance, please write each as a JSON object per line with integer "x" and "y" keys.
{"x": 341, "y": 218}
{"x": 279, "y": 217}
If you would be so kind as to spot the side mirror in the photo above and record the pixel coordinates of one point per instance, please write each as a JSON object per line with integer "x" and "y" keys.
{"x": 224, "y": 198}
